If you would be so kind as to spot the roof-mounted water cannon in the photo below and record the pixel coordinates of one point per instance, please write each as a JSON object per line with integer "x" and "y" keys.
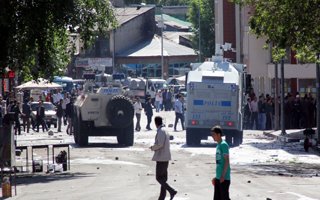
{"x": 220, "y": 48}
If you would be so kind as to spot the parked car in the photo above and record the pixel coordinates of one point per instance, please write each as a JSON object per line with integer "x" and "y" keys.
{"x": 50, "y": 113}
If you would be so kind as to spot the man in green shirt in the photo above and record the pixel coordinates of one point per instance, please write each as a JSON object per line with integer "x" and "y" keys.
{"x": 222, "y": 180}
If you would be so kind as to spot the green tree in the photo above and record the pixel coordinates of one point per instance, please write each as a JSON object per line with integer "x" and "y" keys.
{"x": 159, "y": 2}
{"x": 207, "y": 31}
{"x": 35, "y": 33}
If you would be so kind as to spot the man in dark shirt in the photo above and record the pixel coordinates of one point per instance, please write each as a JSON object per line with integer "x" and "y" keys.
{"x": 59, "y": 114}
{"x": 26, "y": 110}
{"x": 40, "y": 117}
{"x": 17, "y": 113}
{"x": 69, "y": 115}
{"x": 148, "y": 111}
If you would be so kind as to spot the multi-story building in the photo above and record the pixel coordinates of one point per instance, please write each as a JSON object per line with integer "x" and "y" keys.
{"x": 136, "y": 48}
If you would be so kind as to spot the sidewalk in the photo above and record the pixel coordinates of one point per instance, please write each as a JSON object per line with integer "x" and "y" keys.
{"x": 292, "y": 135}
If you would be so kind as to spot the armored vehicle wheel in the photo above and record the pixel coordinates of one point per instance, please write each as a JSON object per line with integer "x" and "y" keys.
{"x": 120, "y": 111}
{"x": 126, "y": 137}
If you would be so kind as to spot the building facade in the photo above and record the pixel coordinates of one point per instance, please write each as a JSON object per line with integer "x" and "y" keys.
{"x": 232, "y": 27}
{"x": 135, "y": 48}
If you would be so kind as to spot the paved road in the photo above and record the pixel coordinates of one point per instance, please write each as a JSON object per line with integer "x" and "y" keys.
{"x": 105, "y": 170}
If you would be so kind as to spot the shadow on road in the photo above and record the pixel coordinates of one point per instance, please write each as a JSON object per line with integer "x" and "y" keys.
{"x": 46, "y": 178}
{"x": 99, "y": 145}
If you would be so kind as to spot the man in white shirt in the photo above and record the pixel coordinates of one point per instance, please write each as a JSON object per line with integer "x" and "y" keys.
{"x": 137, "y": 110}
{"x": 162, "y": 156}
{"x": 254, "y": 113}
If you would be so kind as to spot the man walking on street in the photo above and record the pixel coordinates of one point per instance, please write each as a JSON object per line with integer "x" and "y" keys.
{"x": 26, "y": 110}
{"x": 178, "y": 108}
{"x": 222, "y": 180}
{"x": 137, "y": 109}
{"x": 162, "y": 156}
{"x": 148, "y": 111}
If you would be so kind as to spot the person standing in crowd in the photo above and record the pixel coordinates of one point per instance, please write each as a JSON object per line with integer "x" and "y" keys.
{"x": 17, "y": 113}
{"x": 69, "y": 115}
{"x": 296, "y": 115}
{"x": 40, "y": 117}
{"x": 1, "y": 111}
{"x": 148, "y": 111}
{"x": 254, "y": 113}
{"x": 137, "y": 110}
{"x": 222, "y": 180}
{"x": 261, "y": 113}
{"x": 66, "y": 100}
{"x": 26, "y": 110}
{"x": 247, "y": 114}
{"x": 161, "y": 100}
{"x": 10, "y": 106}
{"x": 157, "y": 100}
{"x": 59, "y": 114}
{"x": 162, "y": 155}
{"x": 168, "y": 100}
{"x": 178, "y": 108}
{"x": 269, "y": 114}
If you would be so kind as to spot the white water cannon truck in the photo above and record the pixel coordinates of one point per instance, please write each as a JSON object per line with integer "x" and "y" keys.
{"x": 215, "y": 97}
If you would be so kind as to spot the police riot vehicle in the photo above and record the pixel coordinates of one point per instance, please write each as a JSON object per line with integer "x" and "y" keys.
{"x": 215, "y": 97}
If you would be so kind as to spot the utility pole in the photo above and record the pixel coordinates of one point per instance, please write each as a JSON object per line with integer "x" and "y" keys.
{"x": 283, "y": 130}
{"x": 162, "y": 62}
{"x": 318, "y": 95}
{"x": 276, "y": 95}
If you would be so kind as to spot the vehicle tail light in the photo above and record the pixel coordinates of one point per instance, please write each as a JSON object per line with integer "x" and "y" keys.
{"x": 194, "y": 122}
{"x": 229, "y": 123}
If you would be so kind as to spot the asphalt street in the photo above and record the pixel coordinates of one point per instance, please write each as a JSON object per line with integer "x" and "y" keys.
{"x": 262, "y": 168}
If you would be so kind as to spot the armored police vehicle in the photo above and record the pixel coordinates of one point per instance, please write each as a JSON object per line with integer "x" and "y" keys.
{"x": 215, "y": 97}
{"x": 106, "y": 112}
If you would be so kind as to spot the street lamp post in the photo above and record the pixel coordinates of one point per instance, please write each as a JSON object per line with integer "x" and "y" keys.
{"x": 199, "y": 29}
{"x": 162, "y": 61}
{"x": 318, "y": 95}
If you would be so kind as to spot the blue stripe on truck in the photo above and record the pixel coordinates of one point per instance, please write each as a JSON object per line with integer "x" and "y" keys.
{"x": 226, "y": 103}
{"x": 198, "y": 102}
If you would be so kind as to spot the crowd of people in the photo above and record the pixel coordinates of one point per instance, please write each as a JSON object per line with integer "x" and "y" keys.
{"x": 63, "y": 102}
{"x": 164, "y": 101}
{"x": 299, "y": 112}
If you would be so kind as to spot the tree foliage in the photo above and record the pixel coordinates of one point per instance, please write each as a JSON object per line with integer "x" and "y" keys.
{"x": 287, "y": 24}
{"x": 207, "y": 27}
{"x": 34, "y": 33}
{"x": 159, "y": 2}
